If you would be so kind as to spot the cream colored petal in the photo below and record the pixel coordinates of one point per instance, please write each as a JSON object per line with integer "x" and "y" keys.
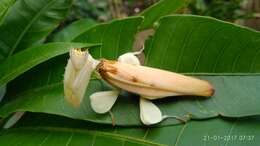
{"x": 149, "y": 113}
{"x": 70, "y": 73}
{"x": 78, "y": 58}
{"x": 101, "y": 102}
{"x": 76, "y": 80}
{"x": 81, "y": 82}
{"x": 129, "y": 58}
{"x": 69, "y": 77}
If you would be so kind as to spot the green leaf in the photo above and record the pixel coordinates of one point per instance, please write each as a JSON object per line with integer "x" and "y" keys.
{"x": 159, "y": 9}
{"x": 27, "y": 59}
{"x": 50, "y": 136}
{"x": 196, "y": 44}
{"x": 225, "y": 54}
{"x": 4, "y": 6}
{"x": 212, "y": 132}
{"x": 116, "y": 37}
{"x": 70, "y": 32}
{"x": 28, "y": 22}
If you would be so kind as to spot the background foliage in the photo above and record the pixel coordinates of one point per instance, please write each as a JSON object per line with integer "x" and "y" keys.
{"x": 35, "y": 35}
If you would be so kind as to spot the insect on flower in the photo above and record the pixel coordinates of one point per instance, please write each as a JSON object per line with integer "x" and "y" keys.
{"x": 127, "y": 74}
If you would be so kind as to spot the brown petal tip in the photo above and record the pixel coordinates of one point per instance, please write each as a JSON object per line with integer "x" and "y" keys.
{"x": 210, "y": 91}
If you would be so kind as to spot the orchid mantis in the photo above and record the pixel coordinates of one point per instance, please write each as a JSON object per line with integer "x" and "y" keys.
{"x": 127, "y": 74}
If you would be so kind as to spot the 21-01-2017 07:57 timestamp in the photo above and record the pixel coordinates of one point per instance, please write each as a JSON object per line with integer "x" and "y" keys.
{"x": 228, "y": 138}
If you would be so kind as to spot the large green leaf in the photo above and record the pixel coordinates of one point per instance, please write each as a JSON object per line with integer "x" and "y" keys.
{"x": 50, "y": 136}
{"x": 237, "y": 132}
{"x": 25, "y": 60}
{"x": 196, "y": 44}
{"x": 232, "y": 132}
{"x": 73, "y": 30}
{"x": 225, "y": 54}
{"x": 4, "y": 6}
{"x": 159, "y": 9}
{"x": 28, "y": 22}
{"x": 236, "y": 89}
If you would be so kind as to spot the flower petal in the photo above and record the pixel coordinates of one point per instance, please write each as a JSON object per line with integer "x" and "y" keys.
{"x": 69, "y": 77}
{"x": 129, "y": 58}
{"x": 102, "y": 102}
{"x": 149, "y": 112}
{"x": 81, "y": 82}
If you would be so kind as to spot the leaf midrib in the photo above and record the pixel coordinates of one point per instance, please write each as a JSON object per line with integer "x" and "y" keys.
{"x": 59, "y": 83}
